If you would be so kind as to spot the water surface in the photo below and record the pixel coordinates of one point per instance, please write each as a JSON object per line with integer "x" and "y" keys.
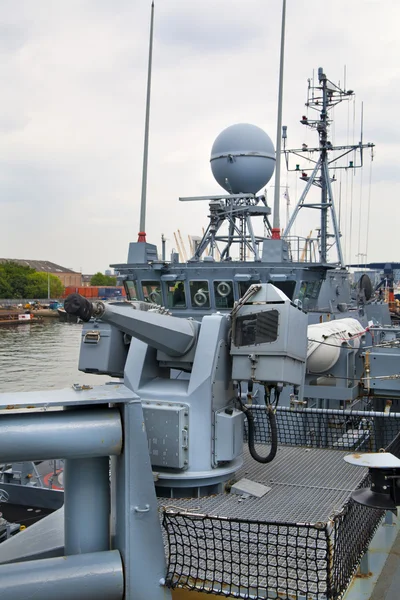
{"x": 42, "y": 356}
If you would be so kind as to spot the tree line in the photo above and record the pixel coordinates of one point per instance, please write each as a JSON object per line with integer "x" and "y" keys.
{"x": 19, "y": 281}
{"x": 102, "y": 280}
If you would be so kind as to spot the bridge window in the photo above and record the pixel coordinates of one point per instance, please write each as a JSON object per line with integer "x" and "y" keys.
{"x": 287, "y": 287}
{"x": 176, "y": 294}
{"x": 130, "y": 289}
{"x": 309, "y": 290}
{"x": 199, "y": 294}
{"x": 152, "y": 292}
{"x": 223, "y": 291}
{"x": 244, "y": 286}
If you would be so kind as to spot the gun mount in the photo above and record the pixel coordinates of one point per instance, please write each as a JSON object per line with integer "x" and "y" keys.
{"x": 182, "y": 371}
{"x": 173, "y": 336}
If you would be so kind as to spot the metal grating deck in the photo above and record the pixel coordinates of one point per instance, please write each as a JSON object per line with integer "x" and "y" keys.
{"x": 309, "y": 485}
{"x": 305, "y": 537}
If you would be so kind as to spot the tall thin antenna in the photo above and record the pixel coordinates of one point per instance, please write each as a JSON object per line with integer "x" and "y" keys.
{"x": 276, "y": 220}
{"x": 142, "y": 227}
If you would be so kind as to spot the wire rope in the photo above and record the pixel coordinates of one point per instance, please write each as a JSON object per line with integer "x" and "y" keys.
{"x": 359, "y": 218}
{"x": 369, "y": 203}
{"x": 351, "y": 191}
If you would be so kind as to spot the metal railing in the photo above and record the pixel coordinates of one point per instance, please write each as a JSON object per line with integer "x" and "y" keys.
{"x": 113, "y": 544}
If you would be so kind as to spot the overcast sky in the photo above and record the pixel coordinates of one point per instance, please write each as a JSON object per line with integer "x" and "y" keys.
{"x": 73, "y": 86}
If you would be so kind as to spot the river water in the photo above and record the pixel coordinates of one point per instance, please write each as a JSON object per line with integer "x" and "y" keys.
{"x": 42, "y": 356}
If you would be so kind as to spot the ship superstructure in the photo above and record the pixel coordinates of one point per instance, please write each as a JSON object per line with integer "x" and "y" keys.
{"x": 233, "y": 254}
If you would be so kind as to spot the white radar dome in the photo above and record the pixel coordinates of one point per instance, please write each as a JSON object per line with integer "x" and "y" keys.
{"x": 243, "y": 159}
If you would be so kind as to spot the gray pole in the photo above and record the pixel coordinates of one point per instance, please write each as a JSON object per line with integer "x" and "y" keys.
{"x": 84, "y": 433}
{"x": 87, "y": 576}
{"x": 138, "y": 533}
{"x": 86, "y": 505}
{"x": 142, "y": 230}
{"x": 276, "y": 219}
{"x": 324, "y": 170}
{"x": 163, "y": 247}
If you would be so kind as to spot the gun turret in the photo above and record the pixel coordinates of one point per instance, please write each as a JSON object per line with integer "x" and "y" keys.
{"x": 172, "y": 335}
{"x": 184, "y": 372}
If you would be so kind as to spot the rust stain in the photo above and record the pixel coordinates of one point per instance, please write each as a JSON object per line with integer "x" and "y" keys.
{"x": 363, "y": 575}
{"x": 181, "y": 594}
{"x": 14, "y": 407}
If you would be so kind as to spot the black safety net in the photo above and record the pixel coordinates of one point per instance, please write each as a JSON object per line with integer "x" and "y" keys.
{"x": 334, "y": 429}
{"x": 226, "y": 547}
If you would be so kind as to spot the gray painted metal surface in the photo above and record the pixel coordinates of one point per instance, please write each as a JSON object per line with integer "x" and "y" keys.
{"x": 381, "y": 577}
{"x": 87, "y": 505}
{"x": 44, "y": 539}
{"x": 86, "y": 527}
{"x": 205, "y": 390}
{"x": 45, "y": 400}
{"x": 59, "y": 434}
{"x": 171, "y": 335}
{"x": 29, "y": 495}
{"x": 242, "y": 159}
{"x": 96, "y": 576}
{"x": 135, "y": 518}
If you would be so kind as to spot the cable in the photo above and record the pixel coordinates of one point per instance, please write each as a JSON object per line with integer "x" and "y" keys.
{"x": 359, "y": 217}
{"x": 251, "y": 428}
{"x": 338, "y": 345}
{"x": 369, "y": 204}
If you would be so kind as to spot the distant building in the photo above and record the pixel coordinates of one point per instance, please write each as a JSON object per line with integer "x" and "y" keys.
{"x": 66, "y": 276}
{"x": 86, "y": 280}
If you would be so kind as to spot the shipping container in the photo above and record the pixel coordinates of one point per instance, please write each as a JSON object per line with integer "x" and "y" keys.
{"x": 92, "y": 291}
{"x": 70, "y": 289}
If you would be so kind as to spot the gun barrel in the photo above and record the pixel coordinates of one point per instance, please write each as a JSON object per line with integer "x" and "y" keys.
{"x": 172, "y": 335}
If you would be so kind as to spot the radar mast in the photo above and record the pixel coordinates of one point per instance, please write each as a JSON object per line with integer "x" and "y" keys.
{"x": 322, "y": 98}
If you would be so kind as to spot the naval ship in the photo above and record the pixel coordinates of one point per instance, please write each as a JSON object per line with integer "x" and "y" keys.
{"x": 178, "y": 477}
{"x": 176, "y": 483}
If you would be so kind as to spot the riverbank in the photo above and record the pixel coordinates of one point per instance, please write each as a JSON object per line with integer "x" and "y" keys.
{"x": 35, "y": 312}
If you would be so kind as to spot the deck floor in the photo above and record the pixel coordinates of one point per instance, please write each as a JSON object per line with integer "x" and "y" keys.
{"x": 307, "y": 486}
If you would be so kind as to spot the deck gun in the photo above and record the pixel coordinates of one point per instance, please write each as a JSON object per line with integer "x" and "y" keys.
{"x": 188, "y": 374}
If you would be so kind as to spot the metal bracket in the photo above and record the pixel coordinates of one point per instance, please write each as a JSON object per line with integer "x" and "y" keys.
{"x": 142, "y": 510}
{"x": 91, "y": 337}
{"x": 79, "y": 388}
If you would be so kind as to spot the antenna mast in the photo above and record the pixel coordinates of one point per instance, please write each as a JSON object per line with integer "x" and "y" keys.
{"x": 322, "y": 97}
{"x": 142, "y": 226}
{"x": 276, "y": 221}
